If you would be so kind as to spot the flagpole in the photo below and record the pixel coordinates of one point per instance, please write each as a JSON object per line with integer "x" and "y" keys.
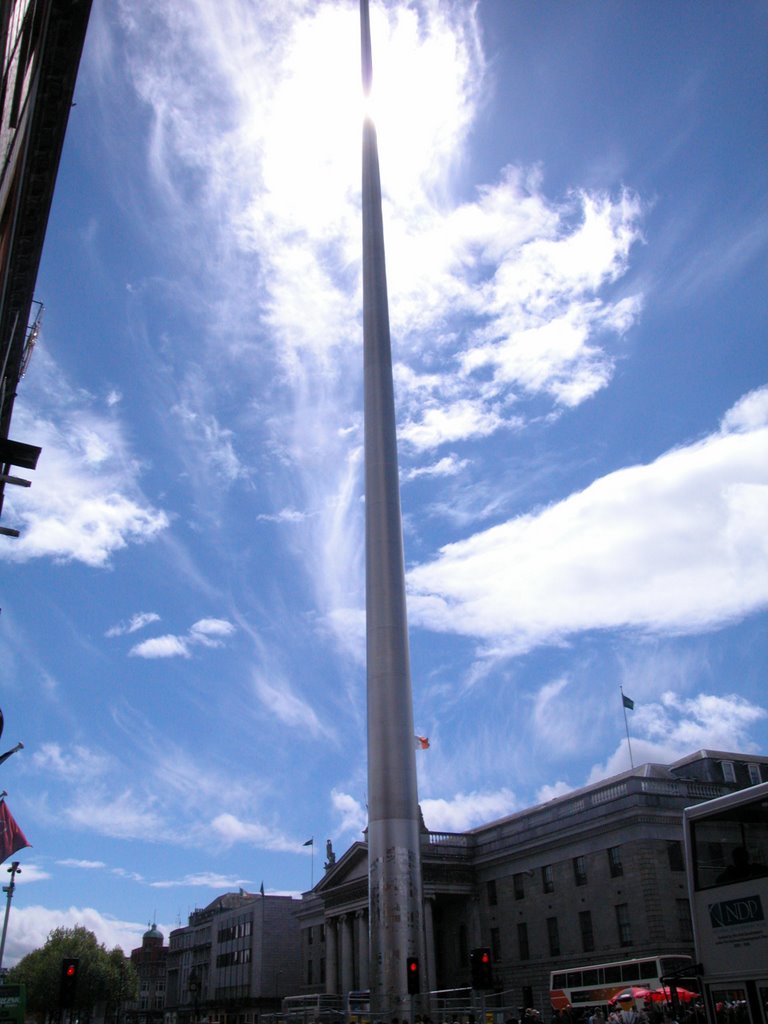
{"x": 626, "y": 726}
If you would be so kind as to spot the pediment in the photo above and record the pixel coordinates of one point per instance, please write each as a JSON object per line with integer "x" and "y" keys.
{"x": 351, "y": 867}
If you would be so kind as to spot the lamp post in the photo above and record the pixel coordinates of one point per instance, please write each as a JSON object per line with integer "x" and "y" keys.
{"x": 13, "y": 870}
{"x": 193, "y": 984}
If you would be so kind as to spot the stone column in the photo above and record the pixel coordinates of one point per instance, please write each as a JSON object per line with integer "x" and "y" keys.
{"x": 362, "y": 947}
{"x": 346, "y": 954}
{"x": 331, "y": 956}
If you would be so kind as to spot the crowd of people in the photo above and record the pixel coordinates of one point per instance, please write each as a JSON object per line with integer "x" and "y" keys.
{"x": 629, "y": 1013}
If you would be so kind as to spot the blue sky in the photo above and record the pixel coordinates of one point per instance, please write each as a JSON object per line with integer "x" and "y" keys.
{"x": 576, "y": 237}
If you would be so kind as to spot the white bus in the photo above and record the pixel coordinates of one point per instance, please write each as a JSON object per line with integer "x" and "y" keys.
{"x": 726, "y": 845}
{"x": 597, "y": 984}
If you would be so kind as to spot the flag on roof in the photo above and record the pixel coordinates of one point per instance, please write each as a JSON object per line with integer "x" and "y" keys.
{"x": 309, "y": 842}
{"x": 11, "y": 836}
{"x": 628, "y": 702}
{"x": 422, "y": 742}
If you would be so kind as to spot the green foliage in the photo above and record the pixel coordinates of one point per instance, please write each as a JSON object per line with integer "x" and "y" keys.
{"x": 103, "y": 976}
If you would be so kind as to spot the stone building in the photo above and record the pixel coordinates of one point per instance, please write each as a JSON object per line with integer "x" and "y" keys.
{"x": 149, "y": 960}
{"x": 235, "y": 959}
{"x": 40, "y": 44}
{"x": 593, "y": 876}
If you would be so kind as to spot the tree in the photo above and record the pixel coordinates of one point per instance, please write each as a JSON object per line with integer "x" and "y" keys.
{"x": 103, "y": 977}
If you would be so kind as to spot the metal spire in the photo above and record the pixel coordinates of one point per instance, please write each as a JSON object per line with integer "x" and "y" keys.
{"x": 394, "y": 863}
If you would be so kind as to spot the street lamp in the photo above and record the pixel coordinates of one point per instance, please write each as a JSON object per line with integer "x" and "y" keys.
{"x": 193, "y": 984}
{"x": 13, "y": 870}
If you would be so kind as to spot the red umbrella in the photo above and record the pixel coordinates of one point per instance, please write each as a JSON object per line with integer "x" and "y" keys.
{"x": 628, "y": 994}
{"x": 664, "y": 995}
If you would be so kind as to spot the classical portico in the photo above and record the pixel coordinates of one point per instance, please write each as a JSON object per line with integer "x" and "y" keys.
{"x": 335, "y": 922}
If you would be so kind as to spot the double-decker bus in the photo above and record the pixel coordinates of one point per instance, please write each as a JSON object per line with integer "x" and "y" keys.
{"x": 726, "y": 845}
{"x": 597, "y": 984}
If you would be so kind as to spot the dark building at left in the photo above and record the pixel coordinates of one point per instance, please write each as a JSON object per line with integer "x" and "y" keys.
{"x": 41, "y": 43}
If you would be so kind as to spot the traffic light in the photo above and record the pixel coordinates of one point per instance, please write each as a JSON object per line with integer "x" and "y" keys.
{"x": 482, "y": 968}
{"x": 412, "y": 969}
{"x": 70, "y": 968}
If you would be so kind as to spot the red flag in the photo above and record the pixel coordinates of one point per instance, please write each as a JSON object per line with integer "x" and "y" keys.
{"x": 421, "y": 742}
{"x": 11, "y": 836}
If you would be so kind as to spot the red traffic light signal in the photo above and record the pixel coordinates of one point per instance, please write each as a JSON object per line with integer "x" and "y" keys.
{"x": 481, "y": 967}
{"x": 70, "y": 968}
{"x": 412, "y": 971}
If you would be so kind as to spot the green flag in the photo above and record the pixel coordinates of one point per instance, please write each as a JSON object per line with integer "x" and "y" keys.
{"x": 628, "y": 702}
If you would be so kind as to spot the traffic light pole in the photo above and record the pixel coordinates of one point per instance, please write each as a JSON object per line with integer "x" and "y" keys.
{"x": 14, "y": 870}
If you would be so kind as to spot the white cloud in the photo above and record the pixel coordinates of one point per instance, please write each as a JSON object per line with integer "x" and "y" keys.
{"x": 134, "y": 624}
{"x": 204, "y": 629}
{"x": 749, "y": 413}
{"x": 75, "y": 763}
{"x": 86, "y": 865}
{"x": 33, "y": 924}
{"x": 664, "y": 730}
{"x": 211, "y": 443}
{"x": 353, "y": 815}
{"x": 123, "y": 815}
{"x": 204, "y": 632}
{"x": 467, "y": 810}
{"x": 168, "y": 646}
{"x": 449, "y": 465}
{"x": 678, "y": 545}
{"x": 207, "y": 880}
{"x": 278, "y": 699}
{"x": 85, "y": 503}
{"x": 230, "y": 829}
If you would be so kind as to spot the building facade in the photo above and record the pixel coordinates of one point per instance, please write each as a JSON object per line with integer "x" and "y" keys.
{"x": 234, "y": 960}
{"x": 149, "y": 961}
{"x": 593, "y": 876}
{"x": 41, "y": 42}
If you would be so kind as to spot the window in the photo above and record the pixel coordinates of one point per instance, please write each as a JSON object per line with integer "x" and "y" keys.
{"x": 684, "y": 920}
{"x": 322, "y": 969}
{"x": 754, "y": 774}
{"x": 322, "y": 933}
{"x": 523, "y": 949}
{"x": 309, "y": 972}
{"x": 310, "y": 931}
{"x": 490, "y": 889}
{"x": 587, "y": 935}
{"x": 547, "y": 879}
{"x": 623, "y": 924}
{"x": 675, "y": 855}
{"x": 614, "y": 861}
{"x": 553, "y": 934}
{"x": 519, "y": 886}
{"x": 495, "y": 945}
{"x": 580, "y": 870}
{"x": 729, "y": 771}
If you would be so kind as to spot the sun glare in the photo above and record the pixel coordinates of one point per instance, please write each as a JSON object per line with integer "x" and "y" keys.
{"x": 318, "y": 105}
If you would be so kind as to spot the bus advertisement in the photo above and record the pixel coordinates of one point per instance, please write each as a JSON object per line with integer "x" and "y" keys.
{"x": 726, "y": 845}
